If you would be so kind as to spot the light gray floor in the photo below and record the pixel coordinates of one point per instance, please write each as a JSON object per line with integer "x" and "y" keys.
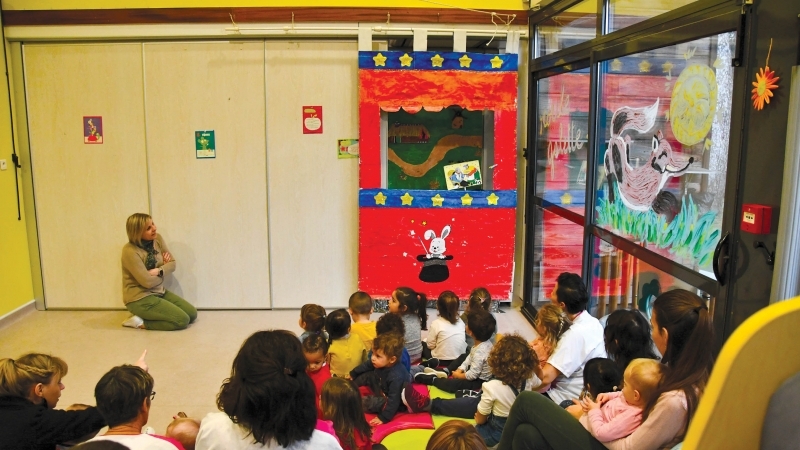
{"x": 188, "y": 366}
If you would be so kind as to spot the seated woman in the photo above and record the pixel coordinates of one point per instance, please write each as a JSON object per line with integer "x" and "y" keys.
{"x": 145, "y": 262}
{"x": 683, "y": 333}
{"x": 268, "y": 401}
{"x": 627, "y": 337}
{"x": 30, "y": 387}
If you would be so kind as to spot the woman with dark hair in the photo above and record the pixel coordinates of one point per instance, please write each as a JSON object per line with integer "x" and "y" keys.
{"x": 683, "y": 333}
{"x": 268, "y": 401}
{"x": 627, "y": 337}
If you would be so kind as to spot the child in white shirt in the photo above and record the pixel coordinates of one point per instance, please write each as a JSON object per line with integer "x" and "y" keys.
{"x": 445, "y": 341}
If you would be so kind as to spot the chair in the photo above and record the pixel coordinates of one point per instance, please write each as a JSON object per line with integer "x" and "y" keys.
{"x": 756, "y": 360}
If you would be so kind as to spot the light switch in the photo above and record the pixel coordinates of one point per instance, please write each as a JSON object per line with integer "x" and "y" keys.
{"x": 3, "y": 165}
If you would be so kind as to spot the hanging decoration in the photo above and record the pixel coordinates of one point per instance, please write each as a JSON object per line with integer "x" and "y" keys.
{"x": 765, "y": 83}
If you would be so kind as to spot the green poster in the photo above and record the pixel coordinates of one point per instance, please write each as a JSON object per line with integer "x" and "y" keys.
{"x": 205, "y": 144}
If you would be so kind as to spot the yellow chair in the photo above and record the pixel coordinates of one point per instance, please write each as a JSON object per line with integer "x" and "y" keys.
{"x": 760, "y": 355}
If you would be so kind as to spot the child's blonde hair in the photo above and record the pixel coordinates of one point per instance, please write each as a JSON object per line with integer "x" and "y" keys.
{"x": 554, "y": 321}
{"x": 456, "y": 435}
{"x": 645, "y": 375}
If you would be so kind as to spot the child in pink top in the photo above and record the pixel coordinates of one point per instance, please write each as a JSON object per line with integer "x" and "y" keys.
{"x": 616, "y": 415}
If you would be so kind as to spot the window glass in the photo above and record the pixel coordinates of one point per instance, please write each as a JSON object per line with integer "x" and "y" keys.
{"x": 436, "y": 149}
{"x": 662, "y": 168}
{"x": 562, "y": 110}
{"x": 624, "y": 13}
{"x": 567, "y": 28}
{"x": 621, "y": 281}
{"x": 558, "y": 247}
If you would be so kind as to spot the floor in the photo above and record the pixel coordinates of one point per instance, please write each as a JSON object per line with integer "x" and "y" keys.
{"x": 188, "y": 366}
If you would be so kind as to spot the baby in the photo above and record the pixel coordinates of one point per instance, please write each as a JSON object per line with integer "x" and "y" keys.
{"x": 184, "y": 430}
{"x": 617, "y": 414}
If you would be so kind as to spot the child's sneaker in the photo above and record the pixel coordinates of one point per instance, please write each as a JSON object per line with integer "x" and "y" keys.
{"x": 433, "y": 362}
{"x": 424, "y": 378}
{"x": 133, "y": 322}
{"x": 438, "y": 373}
{"x": 415, "y": 401}
{"x": 467, "y": 393}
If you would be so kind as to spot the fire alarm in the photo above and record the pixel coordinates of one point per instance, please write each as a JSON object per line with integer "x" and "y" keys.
{"x": 756, "y": 219}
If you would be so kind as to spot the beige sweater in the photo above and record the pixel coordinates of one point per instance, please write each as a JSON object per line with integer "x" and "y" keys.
{"x": 137, "y": 282}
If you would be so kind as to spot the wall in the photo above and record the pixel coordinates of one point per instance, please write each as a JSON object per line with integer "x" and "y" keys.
{"x": 16, "y": 287}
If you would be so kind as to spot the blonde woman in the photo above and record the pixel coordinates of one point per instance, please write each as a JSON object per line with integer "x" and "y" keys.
{"x": 30, "y": 387}
{"x": 146, "y": 261}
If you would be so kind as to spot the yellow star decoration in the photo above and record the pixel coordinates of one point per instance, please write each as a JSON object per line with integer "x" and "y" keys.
{"x": 437, "y": 200}
{"x": 405, "y": 60}
{"x": 492, "y": 199}
{"x": 644, "y": 66}
{"x": 406, "y": 199}
{"x": 566, "y": 199}
{"x": 380, "y": 60}
{"x": 616, "y": 65}
{"x": 667, "y": 67}
{"x": 380, "y": 199}
{"x": 436, "y": 60}
{"x": 496, "y": 62}
{"x": 466, "y": 200}
{"x": 465, "y": 61}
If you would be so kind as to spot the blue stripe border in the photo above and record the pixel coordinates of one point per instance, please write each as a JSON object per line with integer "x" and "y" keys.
{"x": 393, "y": 198}
{"x": 473, "y": 62}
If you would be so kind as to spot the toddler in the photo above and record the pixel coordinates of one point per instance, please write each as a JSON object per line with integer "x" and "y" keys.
{"x": 478, "y": 298}
{"x": 184, "y": 430}
{"x": 392, "y": 323}
{"x": 312, "y": 320}
{"x": 550, "y": 324}
{"x": 385, "y": 377}
{"x": 315, "y": 349}
{"x": 445, "y": 341}
{"x": 341, "y": 404}
{"x": 617, "y": 414}
{"x": 360, "y": 307}
{"x": 410, "y": 305}
{"x": 345, "y": 350}
{"x": 455, "y": 435}
{"x": 512, "y": 361}
{"x": 600, "y": 375}
{"x": 475, "y": 370}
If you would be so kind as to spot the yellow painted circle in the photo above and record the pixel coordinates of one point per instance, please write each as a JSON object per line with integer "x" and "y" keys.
{"x": 694, "y": 104}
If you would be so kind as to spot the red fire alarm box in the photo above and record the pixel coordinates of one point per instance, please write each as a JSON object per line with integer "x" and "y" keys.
{"x": 756, "y": 219}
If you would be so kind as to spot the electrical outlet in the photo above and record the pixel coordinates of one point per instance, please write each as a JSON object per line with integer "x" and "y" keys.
{"x": 3, "y": 164}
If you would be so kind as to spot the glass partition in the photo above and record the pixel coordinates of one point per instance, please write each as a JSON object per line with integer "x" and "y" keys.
{"x": 624, "y": 13}
{"x": 562, "y": 139}
{"x": 661, "y": 170}
{"x": 567, "y": 28}
{"x": 558, "y": 248}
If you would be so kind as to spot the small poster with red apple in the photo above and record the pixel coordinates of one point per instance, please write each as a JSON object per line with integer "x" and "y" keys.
{"x": 312, "y": 119}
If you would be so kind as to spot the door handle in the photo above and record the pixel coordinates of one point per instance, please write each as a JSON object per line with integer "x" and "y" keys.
{"x": 719, "y": 262}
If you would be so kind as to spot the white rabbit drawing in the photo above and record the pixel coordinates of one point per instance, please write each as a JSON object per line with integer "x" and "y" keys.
{"x": 437, "y": 247}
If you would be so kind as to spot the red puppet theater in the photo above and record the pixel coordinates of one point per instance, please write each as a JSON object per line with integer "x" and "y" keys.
{"x": 457, "y": 231}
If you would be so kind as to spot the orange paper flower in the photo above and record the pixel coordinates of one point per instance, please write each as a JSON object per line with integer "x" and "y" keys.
{"x": 762, "y": 90}
{"x": 765, "y": 82}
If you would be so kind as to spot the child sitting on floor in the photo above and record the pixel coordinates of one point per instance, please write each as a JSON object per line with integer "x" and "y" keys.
{"x": 384, "y": 376}
{"x": 475, "y": 370}
{"x": 478, "y": 298}
{"x": 445, "y": 341}
{"x": 392, "y": 323}
{"x": 600, "y": 375}
{"x": 312, "y": 320}
{"x": 345, "y": 350}
{"x": 360, "y": 308}
{"x": 410, "y": 305}
{"x": 550, "y": 324}
{"x": 341, "y": 404}
{"x": 512, "y": 361}
{"x": 617, "y": 414}
{"x": 315, "y": 349}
